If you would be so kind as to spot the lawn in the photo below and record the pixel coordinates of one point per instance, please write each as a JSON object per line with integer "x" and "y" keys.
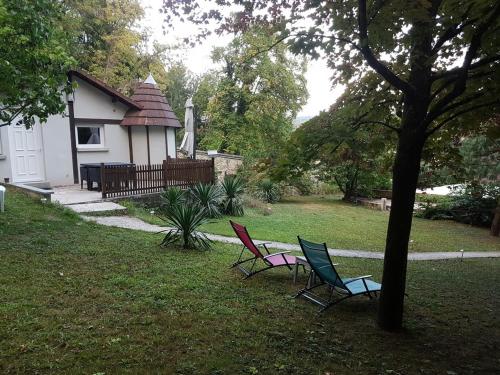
{"x": 76, "y": 297}
{"x": 345, "y": 226}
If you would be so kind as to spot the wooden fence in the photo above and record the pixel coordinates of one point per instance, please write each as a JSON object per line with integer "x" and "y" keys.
{"x": 119, "y": 181}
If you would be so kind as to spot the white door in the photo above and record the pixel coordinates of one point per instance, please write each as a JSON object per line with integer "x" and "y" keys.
{"x": 26, "y": 153}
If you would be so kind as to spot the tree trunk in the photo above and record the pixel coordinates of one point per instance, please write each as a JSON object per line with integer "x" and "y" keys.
{"x": 405, "y": 175}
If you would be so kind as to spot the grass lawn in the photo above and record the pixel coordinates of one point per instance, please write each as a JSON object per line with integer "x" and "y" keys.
{"x": 76, "y": 297}
{"x": 345, "y": 226}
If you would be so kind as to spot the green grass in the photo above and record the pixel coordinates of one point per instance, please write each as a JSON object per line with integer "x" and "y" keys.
{"x": 345, "y": 226}
{"x": 76, "y": 297}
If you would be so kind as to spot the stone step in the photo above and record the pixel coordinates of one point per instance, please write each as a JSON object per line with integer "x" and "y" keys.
{"x": 96, "y": 207}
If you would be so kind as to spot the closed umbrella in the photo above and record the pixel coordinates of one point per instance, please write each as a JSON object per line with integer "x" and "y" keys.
{"x": 187, "y": 144}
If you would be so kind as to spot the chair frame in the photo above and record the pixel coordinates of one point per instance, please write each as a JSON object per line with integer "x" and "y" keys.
{"x": 240, "y": 261}
{"x": 343, "y": 290}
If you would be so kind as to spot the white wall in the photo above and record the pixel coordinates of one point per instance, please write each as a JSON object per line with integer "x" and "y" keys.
{"x": 93, "y": 103}
{"x": 115, "y": 147}
{"x": 5, "y": 168}
{"x": 139, "y": 145}
{"x": 158, "y": 145}
{"x": 57, "y": 150}
{"x": 172, "y": 152}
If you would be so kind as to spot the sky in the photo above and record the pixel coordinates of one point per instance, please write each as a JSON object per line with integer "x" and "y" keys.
{"x": 321, "y": 92}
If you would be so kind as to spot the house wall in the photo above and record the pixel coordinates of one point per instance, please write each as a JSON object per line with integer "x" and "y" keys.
{"x": 93, "y": 103}
{"x": 157, "y": 144}
{"x": 115, "y": 147}
{"x": 5, "y": 168}
{"x": 57, "y": 150}
{"x": 171, "y": 147}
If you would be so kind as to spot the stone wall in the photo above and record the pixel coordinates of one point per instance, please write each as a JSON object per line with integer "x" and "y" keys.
{"x": 224, "y": 163}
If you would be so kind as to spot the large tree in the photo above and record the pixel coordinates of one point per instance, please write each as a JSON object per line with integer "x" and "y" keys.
{"x": 33, "y": 60}
{"x": 256, "y": 98}
{"x": 440, "y": 56}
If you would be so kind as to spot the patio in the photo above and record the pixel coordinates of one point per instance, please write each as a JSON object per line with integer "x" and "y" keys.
{"x": 73, "y": 194}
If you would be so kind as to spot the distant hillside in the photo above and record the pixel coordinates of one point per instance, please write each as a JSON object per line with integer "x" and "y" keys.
{"x": 300, "y": 120}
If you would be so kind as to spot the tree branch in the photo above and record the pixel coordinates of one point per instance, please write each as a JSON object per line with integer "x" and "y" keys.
{"x": 397, "y": 130}
{"x": 461, "y": 80}
{"x": 370, "y": 58}
{"x": 457, "y": 114}
{"x": 458, "y": 71}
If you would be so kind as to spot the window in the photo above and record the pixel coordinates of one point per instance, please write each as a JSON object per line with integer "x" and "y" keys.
{"x": 90, "y": 136}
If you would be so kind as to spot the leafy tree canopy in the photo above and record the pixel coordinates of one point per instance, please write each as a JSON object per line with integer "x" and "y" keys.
{"x": 257, "y": 96}
{"x": 34, "y": 60}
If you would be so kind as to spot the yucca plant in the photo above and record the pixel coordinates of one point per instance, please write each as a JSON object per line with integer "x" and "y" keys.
{"x": 268, "y": 191}
{"x": 185, "y": 219}
{"x": 207, "y": 196}
{"x": 172, "y": 197}
{"x": 232, "y": 203}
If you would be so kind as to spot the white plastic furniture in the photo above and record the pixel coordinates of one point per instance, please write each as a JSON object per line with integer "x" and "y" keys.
{"x": 2, "y": 198}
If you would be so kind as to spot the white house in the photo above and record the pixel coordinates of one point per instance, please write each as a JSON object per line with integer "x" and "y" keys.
{"x": 99, "y": 125}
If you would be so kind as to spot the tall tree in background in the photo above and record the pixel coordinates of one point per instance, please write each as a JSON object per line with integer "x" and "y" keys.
{"x": 34, "y": 60}
{"x": 440, "y": 55}
{"x": 256, "y": 98}
{"x": 347, "y": 145}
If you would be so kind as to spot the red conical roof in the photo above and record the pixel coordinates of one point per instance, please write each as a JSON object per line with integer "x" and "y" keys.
{"x": 155, "y": 109}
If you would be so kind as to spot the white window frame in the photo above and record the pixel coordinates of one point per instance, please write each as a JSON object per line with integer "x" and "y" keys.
{"x": 91, "y": 146}
{"x": 1, "y": 149}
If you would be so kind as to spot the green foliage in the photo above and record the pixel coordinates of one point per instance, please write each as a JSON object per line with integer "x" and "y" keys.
{"x": 268, "y": 191}
{"x": 233, "y": 188}
{"x": 345, "y": 145}
{"x": 256, "y": 96}
{"x": 186, "y": 218}
{"x": 172, "y": 197}
{"x": 208, "y": 197}
{"x": 471, "y": 204}
{"x": 34, "y": 60}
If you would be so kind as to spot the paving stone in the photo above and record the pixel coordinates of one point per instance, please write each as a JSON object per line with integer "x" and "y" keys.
{"x": 96, "y": 207}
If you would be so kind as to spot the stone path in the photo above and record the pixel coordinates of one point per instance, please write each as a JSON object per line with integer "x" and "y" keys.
{"x": 137, "y": 224}
{"x": 96, "y": 207}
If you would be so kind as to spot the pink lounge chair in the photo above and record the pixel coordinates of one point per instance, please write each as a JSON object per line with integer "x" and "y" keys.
{"x": 270, "y": 260}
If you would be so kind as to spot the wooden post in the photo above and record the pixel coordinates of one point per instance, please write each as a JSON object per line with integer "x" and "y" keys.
{"x": 165, "y": 174}
{"x": 103, "y": 181}
{"x": 213, "y": 171}
{"x": 130, "y": 149}
{"x": 147, "y": 138}
{"x": 72, "y": 133}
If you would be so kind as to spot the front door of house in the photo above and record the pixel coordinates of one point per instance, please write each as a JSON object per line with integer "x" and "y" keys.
{"x": 26, "y": 152}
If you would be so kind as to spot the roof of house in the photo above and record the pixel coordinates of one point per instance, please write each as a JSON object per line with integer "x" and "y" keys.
{"x": 155, "y": 110}
{"x": 97, "y": 83}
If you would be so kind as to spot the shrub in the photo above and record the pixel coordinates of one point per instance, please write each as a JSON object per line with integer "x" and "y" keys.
{"x": 232, "y": 202}
{"x": 185, "y": 219}
{"x": 470, "y": 204}
{"x": 171, "y": 197}
{"x": 207, "y": 196}
{"x": 268, "y": 191}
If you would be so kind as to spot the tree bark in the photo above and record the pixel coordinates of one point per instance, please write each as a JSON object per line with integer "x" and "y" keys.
{"x": 406, "y": 170}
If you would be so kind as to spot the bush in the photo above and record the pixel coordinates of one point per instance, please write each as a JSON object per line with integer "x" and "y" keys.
{"x": 185, "y": 219}
{"x": 268, "y": 191}
{"x": 232, "y": 202}
{"x": 472, "y": 204}
{"x": 207, "y": 196}
{"x": 171, "y": 197}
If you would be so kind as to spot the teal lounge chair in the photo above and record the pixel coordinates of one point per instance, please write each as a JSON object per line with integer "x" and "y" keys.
{"x": 323, "y": 269}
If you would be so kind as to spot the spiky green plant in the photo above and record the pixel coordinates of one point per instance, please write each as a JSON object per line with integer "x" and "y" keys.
{"x": 232, "y": 203}
{"x": 172, "y": 197}
{"x": 207, "y": 196}
{"x": 268, "y": 191}
{"x": 185, "y": 219}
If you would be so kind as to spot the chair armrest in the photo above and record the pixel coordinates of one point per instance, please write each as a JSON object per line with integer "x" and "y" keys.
{"x": 263, "y": 244}
{"x": 358, "y": 278}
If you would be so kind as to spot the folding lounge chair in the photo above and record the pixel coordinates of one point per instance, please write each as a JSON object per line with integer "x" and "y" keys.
{"x": 269, "y": 260}
{"x": 323, "y": 269}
